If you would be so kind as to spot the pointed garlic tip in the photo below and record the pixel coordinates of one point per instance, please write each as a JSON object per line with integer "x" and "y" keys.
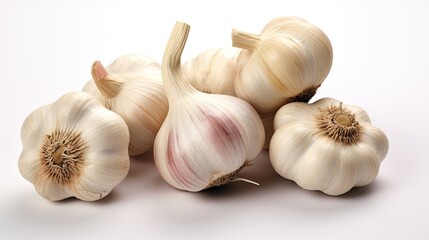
{"x": 141, "y": 101}
{"x": 245, "y": 40}
{"x": 174, "y": 83}
{"x": 108, "y": 86}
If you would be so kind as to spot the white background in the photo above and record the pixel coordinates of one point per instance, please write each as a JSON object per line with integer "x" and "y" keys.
{"x": 381, "y": 60}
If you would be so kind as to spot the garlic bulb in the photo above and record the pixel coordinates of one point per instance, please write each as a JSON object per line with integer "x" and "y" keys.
{"x": 286, "y": 63}
{"x": 283, "y": 23}
{"x": 132, "y": 87}
{"x": 74, "y": 147}
{"x": 213, "y": 70}
{"x": 206, "y": 139}
{"x": 326, "y": 146}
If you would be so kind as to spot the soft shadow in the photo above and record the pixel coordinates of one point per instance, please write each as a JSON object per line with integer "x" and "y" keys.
{"x": 111, "y": 197}
{"x": 29, "y": 208}
{"x": 353, "y": 194}
{"x": 138, "y": 164}
{"x": 364, "y": 191}
{"x": 142, "y": 178}
{"x": 230, "y": 190}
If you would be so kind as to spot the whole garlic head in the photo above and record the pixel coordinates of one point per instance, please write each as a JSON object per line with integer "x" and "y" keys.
{"x": 287, "y": 63}
{"x": 213, "y": 70}
{"x": 132, "y": 87}
{"x": 326, "y": 146}
{"x": 206, "y": 139}
{"x": 74, "y": 147}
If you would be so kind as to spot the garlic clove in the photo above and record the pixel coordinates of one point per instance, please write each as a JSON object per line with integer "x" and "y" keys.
{"x": 287, "y": 63}
{"x": 206, "y": 139}
{"x": 213, "y": 70}
{"x": 132, "y": 87}
{"x": 326, "y": 146}
{"x": 74, "y": 147}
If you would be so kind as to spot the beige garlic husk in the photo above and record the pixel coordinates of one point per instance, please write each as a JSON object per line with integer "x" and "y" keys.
{"x": 213, "y": 70}
{"x": 326, "y": 146}
{"x": 132, "y": 87}
{"x": 206, "y": 139}
{"x": 287, "y": 62}
{"x": 74, "y": 147}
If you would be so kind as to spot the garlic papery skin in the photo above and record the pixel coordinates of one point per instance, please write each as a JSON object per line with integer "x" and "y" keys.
{"x": 213, "y": 70}
{"x": 283, "y": 23}
{"x": 206, "y": 139}
{"x": 132, "y": 87}
{"x": 286, "y": 63}
{"x": 326, "y": 146}
{"x": 74, "y": 147}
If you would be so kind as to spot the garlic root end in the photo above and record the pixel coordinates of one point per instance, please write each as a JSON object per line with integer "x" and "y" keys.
{"x": 230, "y": 177}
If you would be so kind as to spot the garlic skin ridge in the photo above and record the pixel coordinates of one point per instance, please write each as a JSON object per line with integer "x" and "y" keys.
{"x": 213, "y": 70}
{"x": 74, "y": 147}
{"x": 326, "y": 146}
{"x": 206, "y": 139}
{"x": 132, "y": 87}
{"x": 287, "y": 62}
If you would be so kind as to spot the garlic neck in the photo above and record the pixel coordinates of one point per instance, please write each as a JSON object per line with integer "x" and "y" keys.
{"x": 339, "y": 124}
{"x": 175, "y": 85}
{"x": 245, "y": 40}
{"x": 106, "y": 83}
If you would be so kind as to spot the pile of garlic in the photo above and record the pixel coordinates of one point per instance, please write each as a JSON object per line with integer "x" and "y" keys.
{"x": 205, "y": 120}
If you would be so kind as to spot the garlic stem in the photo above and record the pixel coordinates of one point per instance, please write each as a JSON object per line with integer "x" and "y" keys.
{"x": 245, "y": 40}
{"x": 105, "y": 82}
{"x": 175, "y": 84}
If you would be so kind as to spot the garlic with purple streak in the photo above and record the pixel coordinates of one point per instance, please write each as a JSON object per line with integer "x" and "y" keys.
{"x": 206, "y": 139}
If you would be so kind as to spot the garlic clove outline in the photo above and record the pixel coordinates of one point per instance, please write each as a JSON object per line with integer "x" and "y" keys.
{"x": 213, "y": 70}
{"x": 206, "y": 139}
{"x": 74, "y": 147}
{"x": 326, "y": 146}
{"x": 132, "y": 87}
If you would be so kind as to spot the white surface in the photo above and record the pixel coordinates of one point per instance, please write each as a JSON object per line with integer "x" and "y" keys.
{"x": 380, "y": 63}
